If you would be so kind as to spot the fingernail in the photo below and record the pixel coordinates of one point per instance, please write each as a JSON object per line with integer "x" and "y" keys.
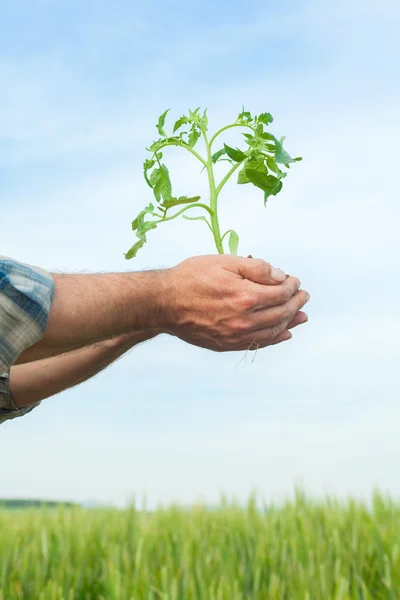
{"x": 277, "y": 274}
{"x": 307, "y": 296}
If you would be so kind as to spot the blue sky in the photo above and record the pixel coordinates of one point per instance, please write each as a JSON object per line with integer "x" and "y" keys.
{"x": 81, "y": 86}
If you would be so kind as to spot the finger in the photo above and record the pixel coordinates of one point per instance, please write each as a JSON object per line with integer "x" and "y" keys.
{"x": 258, "y": 271}
{"x": 278, "y": 317}
{"x": 282, "y": 337}
{"x": 268, "y": 296}
{"x": 254, "y": 345}
{"x": 299, "y": 319}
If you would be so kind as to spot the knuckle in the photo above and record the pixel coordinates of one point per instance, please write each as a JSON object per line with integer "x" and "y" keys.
{"x": 246, "y": 301}
{"x": 287, "y": 293}
{"x": 238, "y": 326}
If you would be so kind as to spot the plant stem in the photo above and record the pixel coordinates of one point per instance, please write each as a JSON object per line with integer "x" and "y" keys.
{"x": 180, "y": 212}
{"x": 213, "y": 198}
{"x": 228, "y": 175}
{"x": 183, "y": 145}
{"x": 228, "y": 127}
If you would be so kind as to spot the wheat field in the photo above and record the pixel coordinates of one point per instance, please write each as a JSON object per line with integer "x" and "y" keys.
{"x": 300, "y": 550}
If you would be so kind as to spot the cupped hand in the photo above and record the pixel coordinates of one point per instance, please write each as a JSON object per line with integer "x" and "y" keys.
{"x": 227, "y": 303}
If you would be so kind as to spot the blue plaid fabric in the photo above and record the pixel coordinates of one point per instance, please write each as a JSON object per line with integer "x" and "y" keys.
{"x": 26, "y": 295}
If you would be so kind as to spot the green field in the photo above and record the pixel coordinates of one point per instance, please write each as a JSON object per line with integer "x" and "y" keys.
{"x": 300, "y": 550}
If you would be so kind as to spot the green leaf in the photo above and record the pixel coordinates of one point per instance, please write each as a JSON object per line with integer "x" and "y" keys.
{"x": 242, "y": 177}
{"x": 265, "y": 118}
{"x": 257, "y": 164}
{"x": 161, "y": 183}
{"x": 245, "y": 116}
{"x": 193, "y": 136}
{"x": 233, "y": 243}
{"x": 182, "y": 121}
{"x": 161, "y": 122}
{"x": 138, "y": 222}
{"x": 195, "y": 117}
{"x": 217, "y": 155}
{"x": 148, "y": 164}
{"x": 205, "y": 120}
{"x": 267, "y": 183}
{"x": 281, "y": 156}
{"x": 271, "y": 163}
{"x": 268, "y": 136}
{"x": 181, "y": 200}
{"x": 132, "y": 252}
{"x": 273, "y": 192}
{"x": 235, "y": 154}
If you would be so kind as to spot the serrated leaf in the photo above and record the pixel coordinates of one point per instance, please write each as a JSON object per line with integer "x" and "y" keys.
{"x": 161, "y": 123}
{"x": 148, "y": 164}
{"x": 273, "y": 192}
{"x": 233, "y": 243}
{"x": 265, "y": 118}
{"x": 137, "y": 223}
{"x": 235, "y": 154}
{"x": 194, "y": 116}
{"x": 281, "y": 156}
{"x": 265, "y": 182}
{"x": 245, "y": 116}
{"x": 132, "y": 252}
{"x": 217, "y": 155}
{"x": 193, "y": 136}
{"x": 256, "y": 163}
{"x": 268, "y": 136}
{"x": 271, "y": 163}
{"x": 259, "y": 129}
{"x": 242, "y": 177}
{"x": 161, "y": 183}
{"x": 205, "y": 120}
{"x": 182, "y": 121}
{"x": 181, "y": 200}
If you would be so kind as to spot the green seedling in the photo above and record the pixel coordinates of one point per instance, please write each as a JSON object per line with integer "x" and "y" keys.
{"x": 259, "y": 163}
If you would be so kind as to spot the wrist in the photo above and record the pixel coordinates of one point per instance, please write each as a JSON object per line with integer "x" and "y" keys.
{"x": 166, "y": 302}
{"x": 128, "y": 340}
{"x": 155, "y": 306}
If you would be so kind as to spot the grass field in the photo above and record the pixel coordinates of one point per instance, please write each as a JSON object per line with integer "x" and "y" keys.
{"x": 301, "y": 550}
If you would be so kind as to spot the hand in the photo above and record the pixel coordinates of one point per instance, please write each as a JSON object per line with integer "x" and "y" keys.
{"x": 228, "y": 303}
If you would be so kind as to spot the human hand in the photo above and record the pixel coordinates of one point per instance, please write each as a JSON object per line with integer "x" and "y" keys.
{"x": 226, "y": 303}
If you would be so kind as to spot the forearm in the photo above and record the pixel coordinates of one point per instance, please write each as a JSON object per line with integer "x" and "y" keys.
{"x": 88, "y": 309}
{"x": 35, "y": 381}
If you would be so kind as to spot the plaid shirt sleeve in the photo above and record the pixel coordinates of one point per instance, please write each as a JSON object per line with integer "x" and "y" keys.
{"x": 26, "y": 295}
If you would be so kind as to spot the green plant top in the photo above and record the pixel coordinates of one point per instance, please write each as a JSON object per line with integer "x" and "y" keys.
{"x": 259, "y": 163}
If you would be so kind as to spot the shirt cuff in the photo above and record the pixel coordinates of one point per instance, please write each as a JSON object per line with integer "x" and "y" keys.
{"x": 8, "y": 408}
{"x": 26, "y": 296}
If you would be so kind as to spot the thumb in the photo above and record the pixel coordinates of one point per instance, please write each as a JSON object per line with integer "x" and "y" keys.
{"x": 259, "y": 271}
